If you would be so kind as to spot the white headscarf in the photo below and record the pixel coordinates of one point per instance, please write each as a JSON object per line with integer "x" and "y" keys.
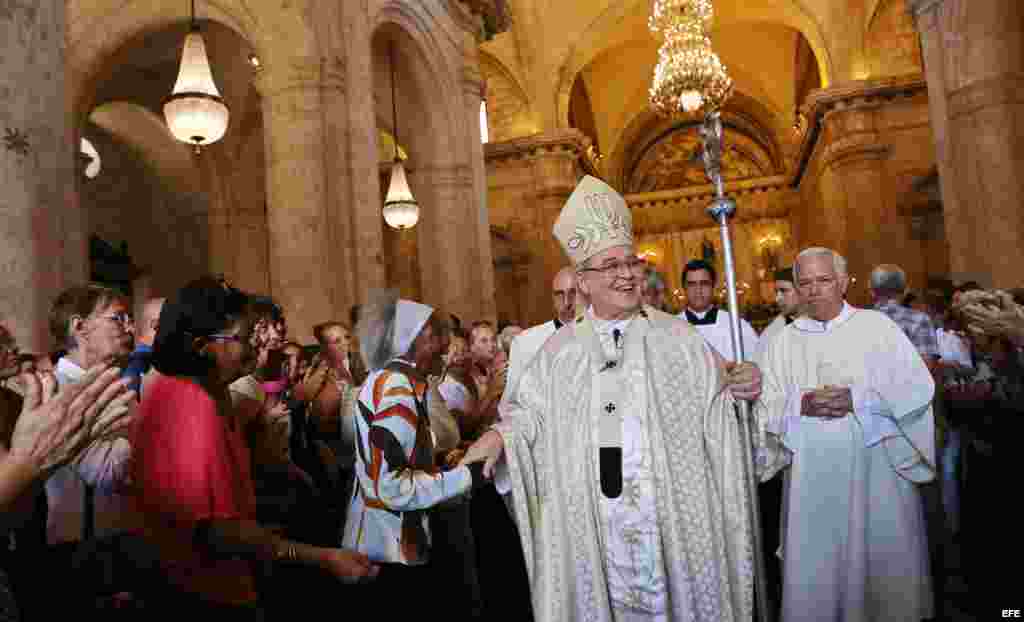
{"x": 410, "y": 318}
{"x": 388, "y": 326}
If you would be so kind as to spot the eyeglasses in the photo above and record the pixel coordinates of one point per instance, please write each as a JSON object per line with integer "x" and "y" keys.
{"x": 612, "y": 269}
{"x": 121, "y": 317}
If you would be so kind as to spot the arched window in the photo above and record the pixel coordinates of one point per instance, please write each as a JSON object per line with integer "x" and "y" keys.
{"x": 484, "y": 138}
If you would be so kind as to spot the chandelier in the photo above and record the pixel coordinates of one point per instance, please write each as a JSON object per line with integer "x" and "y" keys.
{"x": 195, "y": 111}
{"x": 689, "y": 77}
{"x": 400, "y": 208}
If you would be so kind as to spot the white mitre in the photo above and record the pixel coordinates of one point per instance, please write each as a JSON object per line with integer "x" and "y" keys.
{"x": 595, "y": 218}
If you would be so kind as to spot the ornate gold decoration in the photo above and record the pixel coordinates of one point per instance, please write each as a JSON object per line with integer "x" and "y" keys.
{"x": 689, "y": 77}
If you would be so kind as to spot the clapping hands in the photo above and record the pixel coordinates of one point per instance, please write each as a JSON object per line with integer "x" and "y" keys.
{"x": 56, "y": 427}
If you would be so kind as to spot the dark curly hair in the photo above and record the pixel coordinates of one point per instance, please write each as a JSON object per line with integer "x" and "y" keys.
{"x": 204, "y": 307}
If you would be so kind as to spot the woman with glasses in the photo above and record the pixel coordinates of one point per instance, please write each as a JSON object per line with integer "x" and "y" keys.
{"x": 192, "y": 464}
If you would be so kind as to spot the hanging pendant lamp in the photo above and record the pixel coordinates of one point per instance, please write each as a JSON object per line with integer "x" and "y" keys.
{"x": 400, "y": 208}
{"x": 195, "y": 111}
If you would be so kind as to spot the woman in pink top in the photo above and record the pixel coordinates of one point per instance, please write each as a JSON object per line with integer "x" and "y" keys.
{"x": 191, "y": 463}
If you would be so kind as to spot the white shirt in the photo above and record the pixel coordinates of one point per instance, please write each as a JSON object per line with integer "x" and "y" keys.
{"x": 524, "y": 347}
{"x": 952, "y": 348}
{"x": 718, "y": 334}
{"x": 636, "y": 577}
{"x": 873, "y": 411}
{"x": 104, "y": 467}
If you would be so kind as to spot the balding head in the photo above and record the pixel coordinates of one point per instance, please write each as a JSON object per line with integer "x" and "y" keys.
{"x": 147, "y": 325}
{"x": 564, "y": 294}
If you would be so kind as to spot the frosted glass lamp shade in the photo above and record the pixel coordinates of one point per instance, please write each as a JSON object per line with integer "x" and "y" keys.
{"x": 195, "y": 112}
{"x": 400, "y": 208}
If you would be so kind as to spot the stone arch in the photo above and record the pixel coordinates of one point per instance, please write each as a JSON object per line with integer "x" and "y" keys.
{"x": 892, "y": 46}
{"x": 434, "y": 130}
{"x": 592, "y": 42}
{"x": 139, "y": 127}
{"x": 97, "y": 30}
{"x": 743, "y": 113}
{"x": 508, "y": 106}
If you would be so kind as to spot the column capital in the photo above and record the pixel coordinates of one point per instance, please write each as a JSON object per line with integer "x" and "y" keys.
{"x": 301, "y": 73}
{"x": 560, "y": 143}
{"x": 481, "y": 18}
{"x": 1007, "y": 89}
{"x": 846, "y": 104}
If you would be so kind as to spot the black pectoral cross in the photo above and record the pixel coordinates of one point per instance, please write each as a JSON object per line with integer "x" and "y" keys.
{"x": 610, "y": 408}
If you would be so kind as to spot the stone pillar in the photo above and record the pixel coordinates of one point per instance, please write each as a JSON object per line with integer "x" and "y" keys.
{"x": 852, "y": 188}
{"x": 358, "y": 177}
{"x": 44, "y": 246}
{"x": 298, "y": 221}
{"x": 957, "y": 225}
{"x": 552, "y": 165}
{"x": 473, "y": 91}
{"x": 974, "y": 55}
{"x": 866, "y": 144}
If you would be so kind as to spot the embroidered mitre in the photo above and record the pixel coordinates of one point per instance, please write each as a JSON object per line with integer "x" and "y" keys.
{"x": 595, "y": 218}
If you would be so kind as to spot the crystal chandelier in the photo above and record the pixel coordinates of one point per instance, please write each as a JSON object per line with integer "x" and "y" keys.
{"x": 400, "y": 208}
{"x": 689, "y": 77}
{"x": 195, "y": 111}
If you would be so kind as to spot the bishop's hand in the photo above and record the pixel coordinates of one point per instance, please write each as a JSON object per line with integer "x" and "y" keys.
{"x": 487, "y": 449}
{"x": 743, "y": 381}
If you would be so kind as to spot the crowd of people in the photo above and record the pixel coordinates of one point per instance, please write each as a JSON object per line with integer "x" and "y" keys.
{"x": 193, "y": 460}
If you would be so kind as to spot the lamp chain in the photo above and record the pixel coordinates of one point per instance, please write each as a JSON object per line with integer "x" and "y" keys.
{"x": 394, "y": 101}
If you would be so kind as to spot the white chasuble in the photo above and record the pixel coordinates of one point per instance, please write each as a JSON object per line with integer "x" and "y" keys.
{"x": 675, "y": 545}
{"x": 853, "y": 541}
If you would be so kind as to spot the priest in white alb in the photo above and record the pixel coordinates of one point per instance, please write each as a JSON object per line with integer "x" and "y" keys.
{"x": 621, "y": 449}
{"x": 846, "y": 411}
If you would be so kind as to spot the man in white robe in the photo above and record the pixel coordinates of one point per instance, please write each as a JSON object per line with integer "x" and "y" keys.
{"x": 621, "y": 449}
{"x": 567, "y": 301}
{"x": 788, "y": 299}
{"x": 847, "y": 412}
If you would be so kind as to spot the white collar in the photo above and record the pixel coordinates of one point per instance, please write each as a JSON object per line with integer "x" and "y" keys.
{"x": 700, "y": 314}
{"x": 809, "y": 325}
{"x": 607, "y": 326}
{"x": 69, "y": 369}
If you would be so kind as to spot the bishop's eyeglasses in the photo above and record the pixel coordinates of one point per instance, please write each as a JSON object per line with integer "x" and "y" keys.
{"x": 633, "y": 266}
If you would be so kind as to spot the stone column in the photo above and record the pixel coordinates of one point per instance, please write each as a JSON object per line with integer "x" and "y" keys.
{"x": 43, "y": 246}
{"x": 473, "y": 90}
{"x": 358, "y": 177}
{"x": 958, "y": 224}
{"x": 553, "y": 164}
{"x": 297, "y": 200}
{"x": 982, "y": 74}
{"x": 852, "y": 187}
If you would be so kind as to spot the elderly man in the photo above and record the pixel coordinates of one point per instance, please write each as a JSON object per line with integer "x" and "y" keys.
{"x": 621, "y": 448}
{"x": 712, "y": 323}
{"x": 847, "y": 412}
{"x": 888, "y": 286}
{"x": 85, "y": 500}
{"x": 567, "y": 302}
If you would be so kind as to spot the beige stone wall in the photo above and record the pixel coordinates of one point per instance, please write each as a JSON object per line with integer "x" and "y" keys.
{"x": 41, "y": 221}
{"x": 858, "y": 190}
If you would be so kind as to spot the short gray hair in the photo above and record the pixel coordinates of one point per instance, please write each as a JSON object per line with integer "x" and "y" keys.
{"x": 889, "y": 278}
{"x": 838, "y": 261}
